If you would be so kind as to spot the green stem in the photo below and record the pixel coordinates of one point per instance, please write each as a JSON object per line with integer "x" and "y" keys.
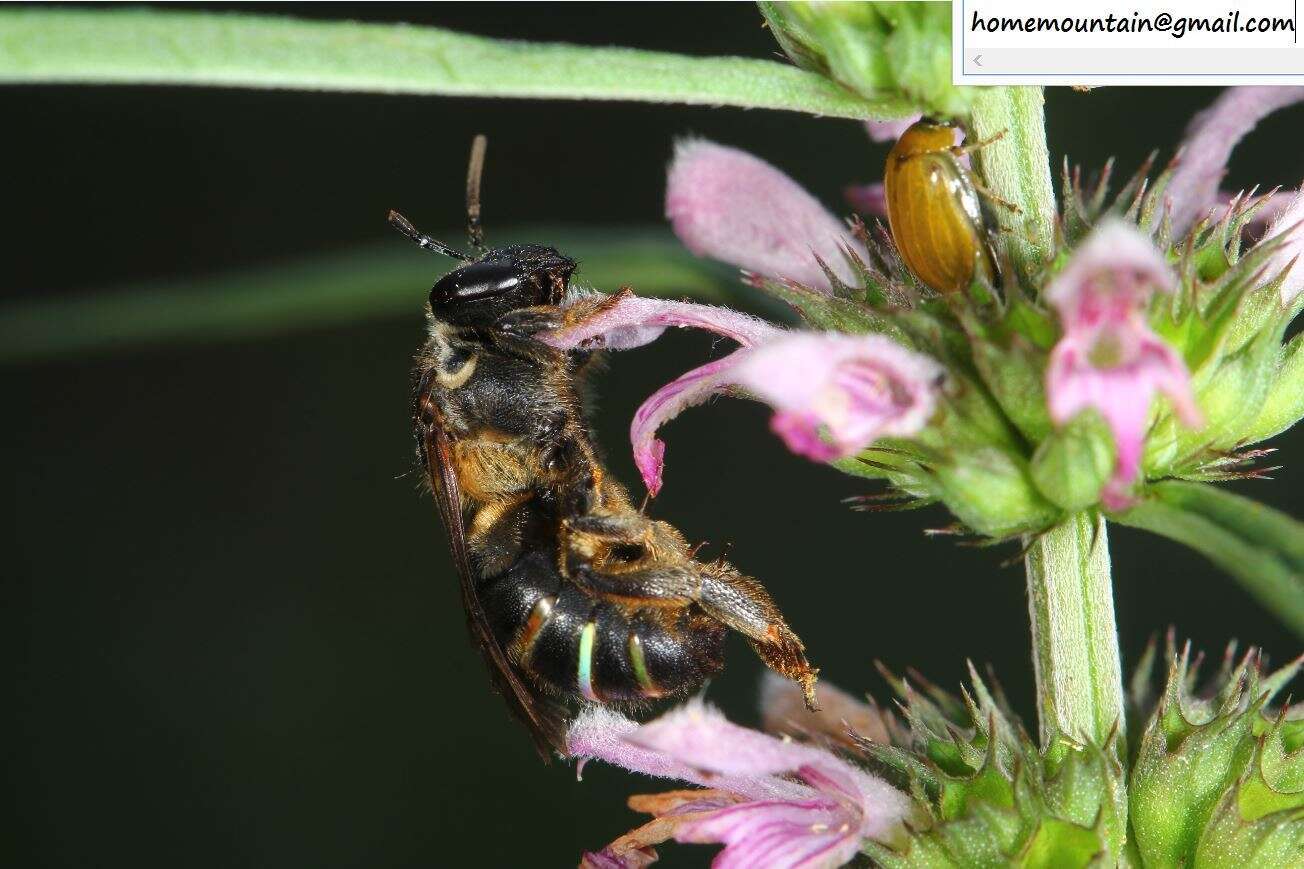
{"x": 1074, "y": 638}
{"x": 1015, "y": 168}
{"x": 133, "y": 46}
{"x": 1070, "y": 596}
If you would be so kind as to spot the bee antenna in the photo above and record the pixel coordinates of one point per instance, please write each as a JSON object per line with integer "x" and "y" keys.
{"x": 474, "y": 230}
{"x": 403, "y": 225}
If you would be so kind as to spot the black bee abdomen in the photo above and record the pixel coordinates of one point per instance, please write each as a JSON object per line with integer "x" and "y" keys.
{"x": 511, "y": 597}
{"x": 612, "y": 671}
{"x": 555, "y": 654}
{"x": 676, "y": 659}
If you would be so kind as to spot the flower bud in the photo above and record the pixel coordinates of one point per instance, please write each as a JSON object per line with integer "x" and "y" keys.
{"x": 1072, "y": 465}
{"x": 991, "y": 492}
{"x": 897, "y": 51}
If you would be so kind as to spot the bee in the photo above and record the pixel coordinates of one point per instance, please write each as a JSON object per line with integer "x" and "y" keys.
{"x": 934, "y": 212}
{"x": 571, "y": 594}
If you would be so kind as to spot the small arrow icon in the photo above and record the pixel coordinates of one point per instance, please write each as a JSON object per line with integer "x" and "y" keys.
{"x": 977, "y": 60}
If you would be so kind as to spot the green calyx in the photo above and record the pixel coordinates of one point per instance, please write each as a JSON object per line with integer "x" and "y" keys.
{"x": 877, "y": 50}
{"x": 985, "y": 795}
{"x": 1218, "y": 778}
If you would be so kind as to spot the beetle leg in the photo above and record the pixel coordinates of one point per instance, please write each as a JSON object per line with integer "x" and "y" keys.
{"x": 969, "y": 148}
{"x": 985, "y": 192}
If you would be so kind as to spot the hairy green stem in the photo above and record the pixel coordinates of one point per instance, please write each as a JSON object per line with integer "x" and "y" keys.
{"x": 1070, "y": 596}
{"x": 1015, "y": 169}
{"x": 147, "y": 46}
{"x": 1074, "y": 638}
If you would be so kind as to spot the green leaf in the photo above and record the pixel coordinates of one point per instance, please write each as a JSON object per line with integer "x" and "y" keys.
{"x": 371, "y": 282}
{"x": 1259, "y": 546}
{"x": 145, "y": 46}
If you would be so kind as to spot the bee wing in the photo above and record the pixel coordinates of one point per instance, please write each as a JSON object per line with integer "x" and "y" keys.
{"x": 544, "y": 717}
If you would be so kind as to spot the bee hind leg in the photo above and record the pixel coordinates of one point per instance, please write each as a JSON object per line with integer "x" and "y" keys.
{"x": 744, "y": 605}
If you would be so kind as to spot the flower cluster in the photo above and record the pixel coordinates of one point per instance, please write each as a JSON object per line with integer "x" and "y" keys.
{"x": 1217, "y": 777}
{"x": 1013, "y": 405}
{"x": 772, "y": 802}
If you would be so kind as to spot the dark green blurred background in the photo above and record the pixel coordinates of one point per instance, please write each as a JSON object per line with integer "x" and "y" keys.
{"x": 237, "y": 637}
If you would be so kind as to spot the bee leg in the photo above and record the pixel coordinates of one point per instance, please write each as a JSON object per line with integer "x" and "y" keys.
{"x": 744, "y": 605}
{"x": 528, "y": 322}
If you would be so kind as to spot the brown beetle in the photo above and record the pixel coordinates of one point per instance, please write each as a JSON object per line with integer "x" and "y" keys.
{"x": 933, "y": 209}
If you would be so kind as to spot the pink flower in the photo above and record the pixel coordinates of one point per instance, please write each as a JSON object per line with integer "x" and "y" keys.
{"x": 1210, "y": 138}
{"x": 833, "y": 394}
{"x": 729, "y": 205}
{"x": 772, "y": 802}
{"x": 1108, "y": 358}
{"x": 867, "y": 199}
{"x": 623, "y": 321}
{"x": 783, "y": 711}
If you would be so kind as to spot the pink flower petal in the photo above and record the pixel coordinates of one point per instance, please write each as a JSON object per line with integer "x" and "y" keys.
{"x": 775, "y": 834}
{"x": 600, "y": 733}
{"x": 685, "y": 391}
{"x": 700, "y": 736}
{"x": 729, "y": 205}
{"x": 1288, "y": 230}
{"x": 1108, "y": 357}
{"x": 833, "y": 394}
{"x": 1210, "y": 139}
{"x": 801, "y": 806}
{"x": 626, "y": 321}
{"x": 857, "y": 388}
{"x": 867, "y": 199}
{"x": 1116, "y": 252}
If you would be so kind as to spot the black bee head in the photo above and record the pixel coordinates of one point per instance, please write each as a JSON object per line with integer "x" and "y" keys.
{"x": 503, "y": 280}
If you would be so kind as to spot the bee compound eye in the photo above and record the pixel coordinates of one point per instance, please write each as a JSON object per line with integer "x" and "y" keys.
{"x": 483, "y": 280}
